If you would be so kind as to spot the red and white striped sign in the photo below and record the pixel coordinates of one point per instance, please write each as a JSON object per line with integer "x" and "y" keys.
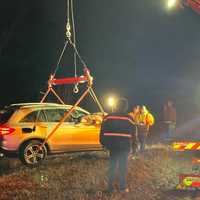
{"x": 184, "y": 146}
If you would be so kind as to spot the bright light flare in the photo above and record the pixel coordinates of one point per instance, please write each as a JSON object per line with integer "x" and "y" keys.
{"x": 171, "y": 3}
{"x": 111, "y": 101}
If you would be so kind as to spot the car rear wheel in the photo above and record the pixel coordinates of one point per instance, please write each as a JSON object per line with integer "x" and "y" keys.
{"x": 32, "y": 154}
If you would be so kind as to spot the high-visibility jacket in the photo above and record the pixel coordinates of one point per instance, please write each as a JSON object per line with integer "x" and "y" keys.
{"x": 149, "y": 119}
{"x": 117, "y": 132}
{"x": 144, "y": 120}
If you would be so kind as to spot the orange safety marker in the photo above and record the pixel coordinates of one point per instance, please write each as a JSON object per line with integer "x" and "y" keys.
{"x": 195, "y": 160}
{"x": 184, "y": 146}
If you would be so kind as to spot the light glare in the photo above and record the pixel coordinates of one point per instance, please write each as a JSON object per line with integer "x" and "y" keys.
{"x": 111, "y": 101}
{"x": 171, "y": 3}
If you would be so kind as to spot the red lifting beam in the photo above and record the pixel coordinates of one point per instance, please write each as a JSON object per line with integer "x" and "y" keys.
{"x": 73, "y": 80}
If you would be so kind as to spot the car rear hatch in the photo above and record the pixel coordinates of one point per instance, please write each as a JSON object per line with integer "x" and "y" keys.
{"x": 5, "y": 115}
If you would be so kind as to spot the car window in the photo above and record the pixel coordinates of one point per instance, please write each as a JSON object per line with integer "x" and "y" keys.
{"x": 55, "y": 115}
{"x": 35, "y": 116}
{"x": 78, "y": 114}
{"x": 6, "y": 113}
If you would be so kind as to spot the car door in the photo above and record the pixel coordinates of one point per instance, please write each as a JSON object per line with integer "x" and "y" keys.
{"x": 86, "y": 134}
{"x": 59, "y": 139}
{"x": 72, "y": 134}
{"x": 36, "y": 121}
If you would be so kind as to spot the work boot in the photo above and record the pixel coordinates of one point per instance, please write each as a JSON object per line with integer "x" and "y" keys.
{"x": 126, "y": 190}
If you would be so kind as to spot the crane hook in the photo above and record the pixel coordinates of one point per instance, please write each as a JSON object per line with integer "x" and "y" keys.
{"x": 76, "y": 89}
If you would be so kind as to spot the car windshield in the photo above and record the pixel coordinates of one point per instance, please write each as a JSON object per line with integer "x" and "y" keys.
{"x": 6, "y": 113}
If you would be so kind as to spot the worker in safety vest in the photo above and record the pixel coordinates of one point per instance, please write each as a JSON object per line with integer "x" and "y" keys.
{"x": 133, "y": 114}
{"x": 144, "y": 119}
{"x": 116, "y": 135}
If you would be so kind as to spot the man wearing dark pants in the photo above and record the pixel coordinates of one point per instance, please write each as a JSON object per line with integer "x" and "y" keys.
{"x": 142, "y": 135}
{"x": 117, "y": 133}
{"x": 120, "y": 158}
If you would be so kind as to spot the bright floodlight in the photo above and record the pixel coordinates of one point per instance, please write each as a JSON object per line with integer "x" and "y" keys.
{"x": 111, "y": 101}
{"x": 171, "y": 3}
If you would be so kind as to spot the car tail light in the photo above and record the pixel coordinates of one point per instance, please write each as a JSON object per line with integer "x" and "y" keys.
{"x": 5, "y": 130}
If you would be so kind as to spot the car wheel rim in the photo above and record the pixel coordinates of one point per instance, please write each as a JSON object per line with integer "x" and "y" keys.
{"x": 33, "y": 154}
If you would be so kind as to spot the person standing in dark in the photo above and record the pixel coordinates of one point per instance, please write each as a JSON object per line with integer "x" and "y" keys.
{"x": 116, "y": 135}
{"x": 135, "y": 112}
{"x": 170, "y": 118}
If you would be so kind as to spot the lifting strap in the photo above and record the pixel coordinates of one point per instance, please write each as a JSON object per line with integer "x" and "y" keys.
{"x": 66, "y": 115}
{"x": 85, "y": 78}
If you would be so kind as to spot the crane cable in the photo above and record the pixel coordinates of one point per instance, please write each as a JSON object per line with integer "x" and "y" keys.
{"x": 74, "y": 38}
{"x": 72, "y": 42}
{"x": 76, "y": 89}
{"x": 68, "y": 35}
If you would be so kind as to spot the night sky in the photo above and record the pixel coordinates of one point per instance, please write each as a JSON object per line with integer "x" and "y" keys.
{"x": 136, "y": 49}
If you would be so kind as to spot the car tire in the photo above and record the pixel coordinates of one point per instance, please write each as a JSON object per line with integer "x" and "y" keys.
{"x": 31, "y": 154}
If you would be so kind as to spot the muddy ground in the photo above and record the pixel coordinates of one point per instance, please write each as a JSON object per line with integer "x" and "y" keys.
{"x": 152, "y": 175}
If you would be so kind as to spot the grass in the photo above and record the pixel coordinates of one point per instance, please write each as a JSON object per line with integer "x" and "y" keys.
{"x": 82, "y": 176}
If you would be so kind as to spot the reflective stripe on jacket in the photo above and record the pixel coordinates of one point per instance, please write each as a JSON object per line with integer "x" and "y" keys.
{"x": 118, "y": 135}
{"x": 117, "y": 131}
